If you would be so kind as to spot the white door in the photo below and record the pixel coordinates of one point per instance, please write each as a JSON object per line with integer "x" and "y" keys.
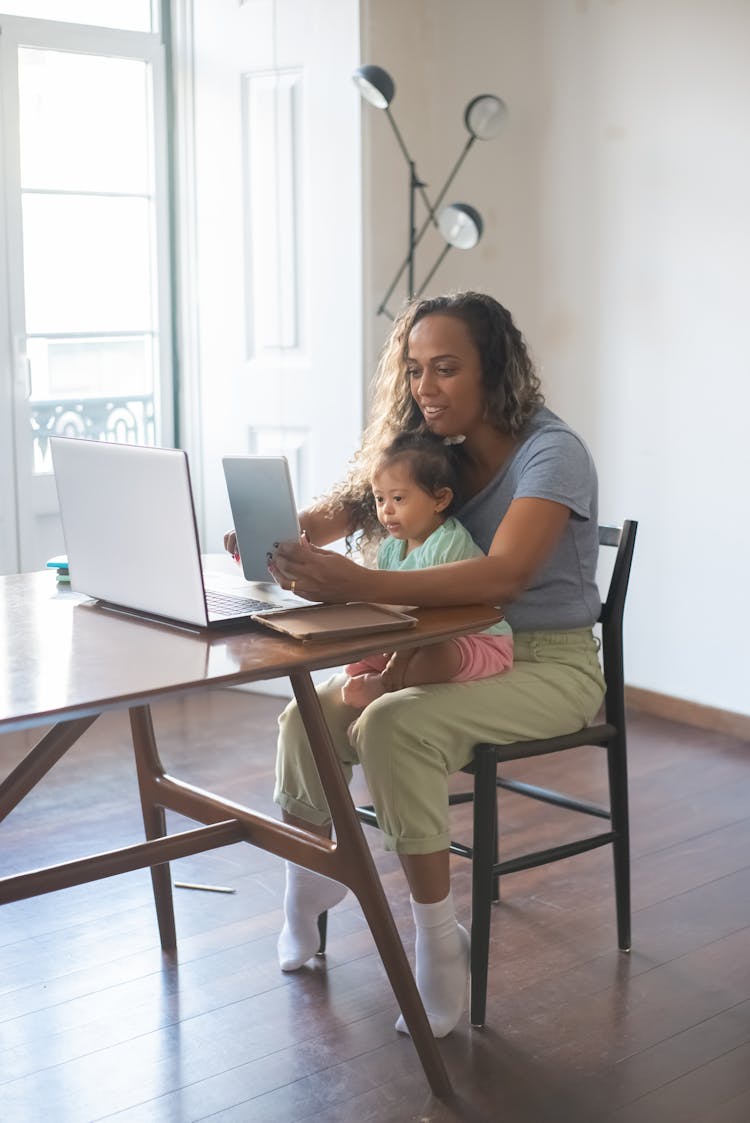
{"x": 85, "y": 344}
{"x": 271, "y": 305}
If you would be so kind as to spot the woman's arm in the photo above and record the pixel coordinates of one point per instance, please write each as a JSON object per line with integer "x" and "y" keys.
{"x": 524, "y": 540}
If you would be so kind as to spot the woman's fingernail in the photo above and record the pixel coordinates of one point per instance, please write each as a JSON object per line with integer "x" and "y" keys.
{"x": 236, "y": 556}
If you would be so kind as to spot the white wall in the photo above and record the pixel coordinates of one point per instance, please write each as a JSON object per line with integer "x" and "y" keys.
{"x": 617, "y": 230}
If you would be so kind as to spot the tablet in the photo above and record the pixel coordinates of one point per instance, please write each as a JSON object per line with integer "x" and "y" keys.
{"x": 263, "y": 508}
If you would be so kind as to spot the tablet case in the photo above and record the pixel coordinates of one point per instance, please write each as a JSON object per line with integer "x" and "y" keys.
{"x": 324, "y": 622}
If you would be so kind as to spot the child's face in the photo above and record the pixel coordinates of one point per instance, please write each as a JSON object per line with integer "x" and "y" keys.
{"x": 407, "y": 511}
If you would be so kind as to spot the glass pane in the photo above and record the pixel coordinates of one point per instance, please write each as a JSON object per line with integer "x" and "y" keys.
{"x": 130, "y": 15}
{"x": 91, "y": 367}
{"x": 84, "y": 122}
{"x": 102, "y": 389}
{"x": 87, "y": 264}
{"x": 87, "y": 195}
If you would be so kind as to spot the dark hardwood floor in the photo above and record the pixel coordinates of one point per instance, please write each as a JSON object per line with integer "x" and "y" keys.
{"x": 95, "y": 1023}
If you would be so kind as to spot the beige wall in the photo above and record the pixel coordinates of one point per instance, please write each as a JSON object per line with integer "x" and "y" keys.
{"x": 618, "y": 232}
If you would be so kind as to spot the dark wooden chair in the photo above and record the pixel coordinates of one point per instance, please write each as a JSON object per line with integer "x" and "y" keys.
{"x": 609, "y": 734}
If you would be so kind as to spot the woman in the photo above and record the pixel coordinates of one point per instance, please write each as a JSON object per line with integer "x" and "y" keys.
{"x": 458, "y": 366}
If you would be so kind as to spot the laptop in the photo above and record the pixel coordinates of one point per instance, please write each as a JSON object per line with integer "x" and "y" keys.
{"x": 131, "y": 536}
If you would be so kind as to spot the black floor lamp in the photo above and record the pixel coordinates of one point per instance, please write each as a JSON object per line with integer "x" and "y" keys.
{"x": 459, "y": 224}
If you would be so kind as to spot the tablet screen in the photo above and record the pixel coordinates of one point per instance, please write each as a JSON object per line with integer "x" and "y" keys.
{"x": 263, "y": 508}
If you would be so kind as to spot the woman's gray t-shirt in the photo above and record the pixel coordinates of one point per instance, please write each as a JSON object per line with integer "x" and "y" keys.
{"x": 552, "y": 462}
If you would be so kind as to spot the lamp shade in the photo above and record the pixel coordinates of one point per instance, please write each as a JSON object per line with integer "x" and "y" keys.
{"x": 485, "y": 116}
{"x": 460, "y": 225}
{"x": 375, "y": 85}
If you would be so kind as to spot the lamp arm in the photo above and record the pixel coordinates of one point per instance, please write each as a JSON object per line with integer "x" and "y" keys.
{"x": 434, "y": 269}
{"x": 454, "y": 172}
{"x": 418, "y": 237}
{"x": 413, "y": 186}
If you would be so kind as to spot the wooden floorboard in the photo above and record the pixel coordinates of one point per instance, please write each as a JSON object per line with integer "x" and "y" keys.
{"x": 96, "y": 1023}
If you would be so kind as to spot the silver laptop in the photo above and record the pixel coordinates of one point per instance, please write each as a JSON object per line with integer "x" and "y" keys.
{"x": 131, "y": 537}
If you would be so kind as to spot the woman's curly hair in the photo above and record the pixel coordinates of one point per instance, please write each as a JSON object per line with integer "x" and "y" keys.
{"x": 512, "y": 392}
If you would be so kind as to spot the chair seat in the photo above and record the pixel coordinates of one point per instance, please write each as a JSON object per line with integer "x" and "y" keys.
{"x": 521, "y": 750}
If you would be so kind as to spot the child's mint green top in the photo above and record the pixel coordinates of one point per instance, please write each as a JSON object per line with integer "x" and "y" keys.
{"x": 450, "y": 542}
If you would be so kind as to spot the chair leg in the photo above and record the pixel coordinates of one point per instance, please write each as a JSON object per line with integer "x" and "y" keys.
{"x": 496, "y": 853}
{"x": 618, "y": 795}
{"x": 485, "y": 835}
{"x": 322, "y": 932}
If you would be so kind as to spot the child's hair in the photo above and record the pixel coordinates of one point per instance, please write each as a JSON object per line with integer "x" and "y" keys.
{"x": 431, "y": 462}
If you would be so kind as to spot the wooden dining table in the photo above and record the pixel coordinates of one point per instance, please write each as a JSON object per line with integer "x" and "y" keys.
{"x": 66, "y": 659}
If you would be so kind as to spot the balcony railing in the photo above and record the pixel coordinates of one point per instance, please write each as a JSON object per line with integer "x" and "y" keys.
{"x": 128, "y": 420}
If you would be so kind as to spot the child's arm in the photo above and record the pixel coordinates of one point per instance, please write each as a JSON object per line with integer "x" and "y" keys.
{"x": 438, "y": 662}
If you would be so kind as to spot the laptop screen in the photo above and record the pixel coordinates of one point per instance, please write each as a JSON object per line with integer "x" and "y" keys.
{"x": 129, "y": 526}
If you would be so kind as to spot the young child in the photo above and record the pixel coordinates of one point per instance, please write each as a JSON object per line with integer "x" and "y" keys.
{"x": 414, "y": 487}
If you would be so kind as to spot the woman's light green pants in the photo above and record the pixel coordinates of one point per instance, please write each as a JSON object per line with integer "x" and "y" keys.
{"x": 409, "y": 742}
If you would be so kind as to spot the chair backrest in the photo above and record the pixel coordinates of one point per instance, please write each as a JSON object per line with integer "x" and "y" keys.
{"x": 611, "y": 617}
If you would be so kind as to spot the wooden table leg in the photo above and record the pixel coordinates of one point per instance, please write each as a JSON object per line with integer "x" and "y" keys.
{"x": 349, "y": 861}
{"x": 149, "y": 768}
{"x": 357, "y": 870}
{"x": 38, "y": 762}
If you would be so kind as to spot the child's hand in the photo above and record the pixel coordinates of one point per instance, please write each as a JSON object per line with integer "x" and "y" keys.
{"x": 230, "y": 545}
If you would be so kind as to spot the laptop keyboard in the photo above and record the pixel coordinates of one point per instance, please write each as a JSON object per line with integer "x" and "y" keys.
{"x": 228, "y": 604}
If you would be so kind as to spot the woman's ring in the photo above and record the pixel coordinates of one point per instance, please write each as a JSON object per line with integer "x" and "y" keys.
{"x": 293, "y": 586}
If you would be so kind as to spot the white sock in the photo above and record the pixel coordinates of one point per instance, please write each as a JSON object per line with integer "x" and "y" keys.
{"x": 443, "y": 955}
{"x": 307, "y": 895}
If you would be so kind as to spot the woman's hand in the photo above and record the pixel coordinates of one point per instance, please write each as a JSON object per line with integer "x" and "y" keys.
{"x": 318, "y": 575}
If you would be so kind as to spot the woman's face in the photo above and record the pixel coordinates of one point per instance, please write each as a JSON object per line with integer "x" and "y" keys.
{"x": 445, "y": 374}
